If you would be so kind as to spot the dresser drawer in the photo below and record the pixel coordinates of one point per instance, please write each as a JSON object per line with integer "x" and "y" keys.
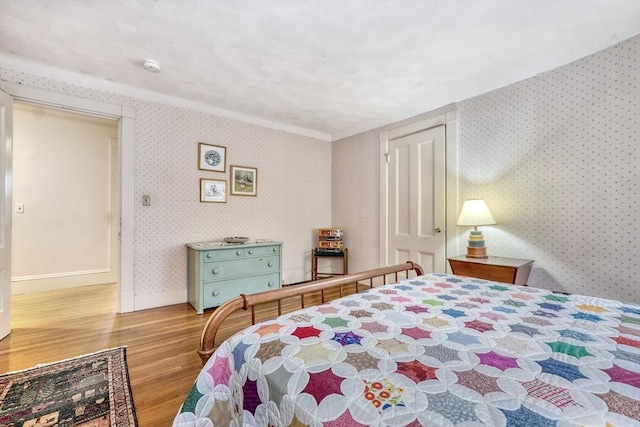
{"x": 217, "y": 293}
{"x": 487, "y": 272}
{"x": 208, "y": 256}
{"x": 215, "y": 271}
{"x": 498, "y": 269}
{"x": 262, "y": 250}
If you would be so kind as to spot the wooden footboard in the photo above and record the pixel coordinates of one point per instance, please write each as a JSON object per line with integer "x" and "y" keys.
{"x": 369, "y": 278}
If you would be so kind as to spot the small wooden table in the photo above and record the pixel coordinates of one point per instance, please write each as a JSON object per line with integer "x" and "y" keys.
{"x": 507, "y": 270}
{"x": 315, "y": 274}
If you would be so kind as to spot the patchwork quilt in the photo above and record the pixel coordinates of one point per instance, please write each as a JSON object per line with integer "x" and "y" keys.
{"x": 437, "y": 350}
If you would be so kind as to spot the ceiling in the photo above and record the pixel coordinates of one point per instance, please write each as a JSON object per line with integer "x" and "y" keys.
{"x": 327, "y": 69}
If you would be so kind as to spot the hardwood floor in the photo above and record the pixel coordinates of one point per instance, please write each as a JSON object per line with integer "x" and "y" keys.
{"x": 161, "y": 342}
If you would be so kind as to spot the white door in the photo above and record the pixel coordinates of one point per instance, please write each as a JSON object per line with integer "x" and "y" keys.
{"x": 416, "y": 199}
{"x": 6, "y": 141}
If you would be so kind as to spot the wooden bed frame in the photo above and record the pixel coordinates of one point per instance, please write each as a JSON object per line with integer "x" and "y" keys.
{"x": 244, "y": 302}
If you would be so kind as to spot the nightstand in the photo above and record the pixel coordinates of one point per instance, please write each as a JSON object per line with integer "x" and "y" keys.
{"x": 507, "y": 270}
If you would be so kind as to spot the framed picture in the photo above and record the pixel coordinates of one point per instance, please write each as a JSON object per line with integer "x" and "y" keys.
{"x": 213, "y": 191}
{"x": 244, "y": 181}
{"x": 212, "y": 157}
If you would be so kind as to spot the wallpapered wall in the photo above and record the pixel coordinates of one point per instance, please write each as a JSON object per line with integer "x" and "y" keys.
{"x": 294, "y": 189}
{"x": 556, "y": 157}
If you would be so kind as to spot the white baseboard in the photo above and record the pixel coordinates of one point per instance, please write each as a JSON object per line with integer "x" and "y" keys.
{"x": 160, "y": 299}
{"x": 54, "y": 282}
{"x": 139, "y": 302}
{"x": 295, "y": 276}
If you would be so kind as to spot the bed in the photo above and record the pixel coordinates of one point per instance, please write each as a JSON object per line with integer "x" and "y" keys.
{"x": 427, "y": 349}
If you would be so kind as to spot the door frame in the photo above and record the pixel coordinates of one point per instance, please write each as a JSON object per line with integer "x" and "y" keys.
{"x": 450, "y": 121}
{"x": 6, "y": 155}
{"x": 126, "y": 151}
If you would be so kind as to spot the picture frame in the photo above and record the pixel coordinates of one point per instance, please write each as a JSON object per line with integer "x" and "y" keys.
{"x": 213, "y": 190}
{"x": 212, "y": 157}
{"x": 244, "y": 181}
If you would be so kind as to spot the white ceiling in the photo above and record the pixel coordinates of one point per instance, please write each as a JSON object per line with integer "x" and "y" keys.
{"x": 327, "y": 69}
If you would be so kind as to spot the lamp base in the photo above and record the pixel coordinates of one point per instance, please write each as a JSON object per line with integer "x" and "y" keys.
{"x": 477, "y": 252}
{"x": 475, "y": 246}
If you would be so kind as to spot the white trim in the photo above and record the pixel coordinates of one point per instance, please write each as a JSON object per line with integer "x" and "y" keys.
{"x": 151, "y": 96}
{"x": 127, "y": 146}
{"x": 114, "y": 210}
{"x": 416, "y": 127}
{"x": 56, "y": 275}
{"x": 161, "y": 299}
{"x": 6, "y": 211}
{"x": 58, "y": 283}
{"x": 384, "y": 199}
{"x": 452, "y": 186}
{"x": 126, "y": 302}
{"x": 65, "y": 102}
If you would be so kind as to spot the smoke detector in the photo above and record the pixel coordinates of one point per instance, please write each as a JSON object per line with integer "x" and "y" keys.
{"x": 151, "y": 65}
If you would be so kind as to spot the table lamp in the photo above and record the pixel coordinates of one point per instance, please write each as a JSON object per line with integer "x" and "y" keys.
{"x": 474, "y": 213}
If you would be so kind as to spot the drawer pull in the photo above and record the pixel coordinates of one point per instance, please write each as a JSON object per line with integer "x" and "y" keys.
{"x": 270, "y": 264}
{"x": 215, "y": 270}
{"x": 215, "y": 293}
{"x": 250, "y": 251}
{"x": 238, "y": 253}
{"x": 275, "y": 249}
{"x": 209, "y": 255}
{"x": 270, "y": 284}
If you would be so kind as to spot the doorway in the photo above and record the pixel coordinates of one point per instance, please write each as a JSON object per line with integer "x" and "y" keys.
{"x": 65, "y": 197}
{"x": 419, "y": 192}
{"x": 125, "y": 182}
{"x": 416, "y": 199}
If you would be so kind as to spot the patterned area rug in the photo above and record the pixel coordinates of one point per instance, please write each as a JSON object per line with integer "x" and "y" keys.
{"x": 87, "y": 391}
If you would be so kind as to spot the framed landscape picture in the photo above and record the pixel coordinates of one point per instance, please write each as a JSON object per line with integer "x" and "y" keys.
{"x": 213, "y": 191}
{"x": 212, "y": 157}
{"x": 244, "y": 181}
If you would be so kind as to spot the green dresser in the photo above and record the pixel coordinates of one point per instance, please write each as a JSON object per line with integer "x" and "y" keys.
{"x": 220, "y": 271}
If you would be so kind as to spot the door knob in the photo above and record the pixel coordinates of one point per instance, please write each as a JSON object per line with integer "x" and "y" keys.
{"x": 437, "y": 230}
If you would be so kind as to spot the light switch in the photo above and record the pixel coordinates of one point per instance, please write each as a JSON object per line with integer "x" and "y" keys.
{"x": 19, "y": 207}
{"x": 146, "y": 200}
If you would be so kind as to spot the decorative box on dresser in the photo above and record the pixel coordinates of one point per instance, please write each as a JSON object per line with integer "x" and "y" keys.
{"x": 219, "y": 271}
{"x": 499, "y": 269}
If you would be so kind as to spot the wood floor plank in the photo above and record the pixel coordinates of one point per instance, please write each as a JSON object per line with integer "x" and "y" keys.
{"x": 161, "y": 342}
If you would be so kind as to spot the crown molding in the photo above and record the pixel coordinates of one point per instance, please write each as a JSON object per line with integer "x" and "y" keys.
{"x": 83, "y": 80}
